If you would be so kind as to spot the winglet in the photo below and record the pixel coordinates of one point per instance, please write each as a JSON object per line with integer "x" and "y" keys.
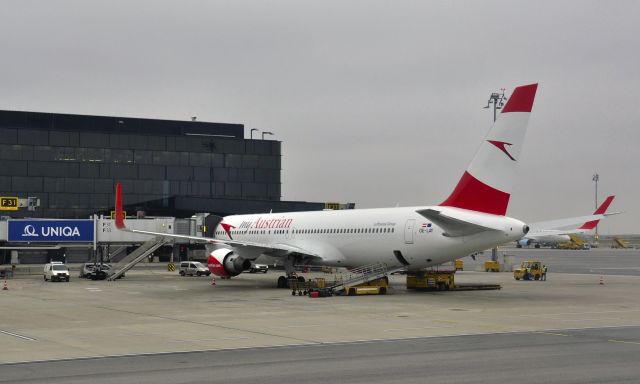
{"x": 119, "y": 212}
{"x": 600, "y": 211}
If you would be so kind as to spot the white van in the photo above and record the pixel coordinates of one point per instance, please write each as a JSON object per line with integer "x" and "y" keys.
{"x": 193, "y": 268}
{"x": 56, "y": 271}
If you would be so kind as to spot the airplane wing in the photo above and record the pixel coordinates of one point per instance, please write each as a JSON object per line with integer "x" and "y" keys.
{"x": 275, "y": 250}
{"x": 561, "y": 223}
{"x": 588, "y": 222}
{"x": 454, "y": 226}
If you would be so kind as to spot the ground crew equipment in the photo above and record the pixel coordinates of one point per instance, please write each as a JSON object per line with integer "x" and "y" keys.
{"x": 491, "y": 266}
{"x": 529, "y": 270}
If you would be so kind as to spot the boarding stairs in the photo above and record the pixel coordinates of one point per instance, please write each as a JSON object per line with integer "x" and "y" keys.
{"x": 364, "y": 274}
{"x": 115, "y": 254}
{"x": 138, "y": 255}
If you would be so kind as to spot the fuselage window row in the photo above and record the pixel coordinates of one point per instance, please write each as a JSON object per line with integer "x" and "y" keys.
{"x": 312, "y": 231}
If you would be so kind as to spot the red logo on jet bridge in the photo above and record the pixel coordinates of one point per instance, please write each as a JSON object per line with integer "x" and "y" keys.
{"x": 501, "y": 146}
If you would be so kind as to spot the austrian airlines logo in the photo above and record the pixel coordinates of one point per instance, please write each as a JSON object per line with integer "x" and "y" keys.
{"x": 501, "y": 146}
{"x": 227, "y": 228}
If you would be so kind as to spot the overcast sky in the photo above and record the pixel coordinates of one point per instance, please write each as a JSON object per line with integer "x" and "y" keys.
{"x": 376, "y": 102}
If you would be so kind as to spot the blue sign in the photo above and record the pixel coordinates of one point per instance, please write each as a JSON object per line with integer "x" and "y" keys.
{"x": 50, "y": 230}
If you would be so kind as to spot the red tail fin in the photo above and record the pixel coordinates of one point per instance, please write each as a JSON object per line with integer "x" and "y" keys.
{"x": 487, "y": 183}
{"x": 119, "y": 211}
{"x": 601, "y": 209}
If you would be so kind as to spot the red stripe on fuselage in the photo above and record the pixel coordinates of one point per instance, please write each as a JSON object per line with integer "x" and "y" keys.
{"x": 522, "y": 99}
{"x": 472, "y": 194}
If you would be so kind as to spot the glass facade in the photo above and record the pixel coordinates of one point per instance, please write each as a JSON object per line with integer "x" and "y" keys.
{"x": 71, "y": 162}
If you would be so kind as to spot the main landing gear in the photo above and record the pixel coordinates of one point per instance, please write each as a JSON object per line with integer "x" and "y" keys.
{"x": 283, "y": 281}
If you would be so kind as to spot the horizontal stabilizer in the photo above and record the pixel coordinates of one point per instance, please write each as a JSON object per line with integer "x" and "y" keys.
{"x": 453, "y": 226}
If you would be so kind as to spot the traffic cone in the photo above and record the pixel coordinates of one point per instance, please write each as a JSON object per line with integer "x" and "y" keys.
{"x": 5, "y": 288}
{"x": 601, "y": 280}
{"x": 213, "y": 281}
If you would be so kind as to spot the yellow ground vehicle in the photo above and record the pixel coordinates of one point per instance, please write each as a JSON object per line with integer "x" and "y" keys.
{"x": 459, "y": 264}
{"x": 375, "y": 287}
{"x": 529, "y": 270}
{"x": 618, "y": 242}
{"x": 491, "y": 266}
{"x": 437, "y": 281}
{"x": 574, "y": 243}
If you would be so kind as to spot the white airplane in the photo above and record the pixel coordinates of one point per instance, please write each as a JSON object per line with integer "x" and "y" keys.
{"x": 471, "y": 219}
{"x": 547, "y": 232}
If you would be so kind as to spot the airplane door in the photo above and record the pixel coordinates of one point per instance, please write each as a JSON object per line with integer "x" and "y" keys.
{"x": 408, "y": 231}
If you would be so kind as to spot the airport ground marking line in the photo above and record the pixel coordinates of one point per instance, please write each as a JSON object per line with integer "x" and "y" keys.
{"x": 18, "y": 336}
{"x": 553, "y": 334}
{"x": 623, "y": 342}
{"x": 210, "y": 325}
{"x": 308, "y": 344}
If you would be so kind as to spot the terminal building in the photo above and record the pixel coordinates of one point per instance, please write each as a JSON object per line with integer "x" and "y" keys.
{"x": 66, "y": 167}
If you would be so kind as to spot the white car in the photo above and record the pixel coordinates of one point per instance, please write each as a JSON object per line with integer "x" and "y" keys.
{"x": 96, "y": 271}
{"x": 56, "y": 271}
{"x": 193, "y": 268}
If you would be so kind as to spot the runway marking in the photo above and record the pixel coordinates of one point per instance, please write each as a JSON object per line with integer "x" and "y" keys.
{"x": 18, "y": 336}
{"x": 210, "y": 339}
{"x": 295, "y": 326}
{"x": 624, "y": 342}
{"x": 553, "y": 334}
{"x": 92, "y": 289}
{"x": 577, "y": 313}
{"x": 305, "y": 344}
{"x": 417, "y": 328}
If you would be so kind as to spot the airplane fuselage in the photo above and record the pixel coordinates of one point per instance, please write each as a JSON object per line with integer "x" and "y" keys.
{"x": 348, "y": 238}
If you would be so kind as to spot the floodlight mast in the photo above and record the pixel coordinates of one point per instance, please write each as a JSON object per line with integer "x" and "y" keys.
{"x": 497, "y": 100}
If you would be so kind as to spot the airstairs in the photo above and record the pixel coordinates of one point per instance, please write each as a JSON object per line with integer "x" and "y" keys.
{"x": 363, "y": 275}
{"x": 138, "y": 255}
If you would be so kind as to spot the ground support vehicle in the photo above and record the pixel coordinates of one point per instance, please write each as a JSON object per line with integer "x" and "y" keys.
{"x": 193, "y": 268}
{"x": 459, "y": 265}
{"x": 618, "y": 242}
{"x": 528, "y": 270}
{"x": 302, "y": 287}
{"x": 491, "y": 266}
{"x": 374, "y": 287}
{"x": 431, "y": 280}
{"x": 56, "y": 271}
{"x": 96, "y": 271}
{"x": 575, "y": 243}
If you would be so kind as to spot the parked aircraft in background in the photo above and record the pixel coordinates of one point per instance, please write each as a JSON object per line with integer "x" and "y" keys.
{"x": 547, "y": 233}
{"x": 471, "y": 219}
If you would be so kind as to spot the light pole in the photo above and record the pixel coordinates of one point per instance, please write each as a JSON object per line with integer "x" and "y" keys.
{"x": 497, "y": 99}
{"x": 596, "y": 178}
{"x": 251, "y": 134}
{"x": 266, "y": 133}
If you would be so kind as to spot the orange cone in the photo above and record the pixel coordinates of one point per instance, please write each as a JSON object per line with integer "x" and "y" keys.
{"x": 213, "y": 281}
{"x": 5, "y": 288}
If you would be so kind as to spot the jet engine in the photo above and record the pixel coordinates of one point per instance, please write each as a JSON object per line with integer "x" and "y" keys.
{"x": 523, "y": 242}
{"x": 226, "y": 263}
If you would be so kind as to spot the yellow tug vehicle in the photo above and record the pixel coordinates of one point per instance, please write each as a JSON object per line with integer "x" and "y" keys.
{"x": 529, "y": 270}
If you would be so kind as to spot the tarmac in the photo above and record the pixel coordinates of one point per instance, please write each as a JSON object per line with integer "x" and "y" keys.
{"x": 152, "y": 311}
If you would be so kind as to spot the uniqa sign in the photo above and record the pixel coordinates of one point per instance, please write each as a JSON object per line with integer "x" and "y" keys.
{"x": 50, "y": 230}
